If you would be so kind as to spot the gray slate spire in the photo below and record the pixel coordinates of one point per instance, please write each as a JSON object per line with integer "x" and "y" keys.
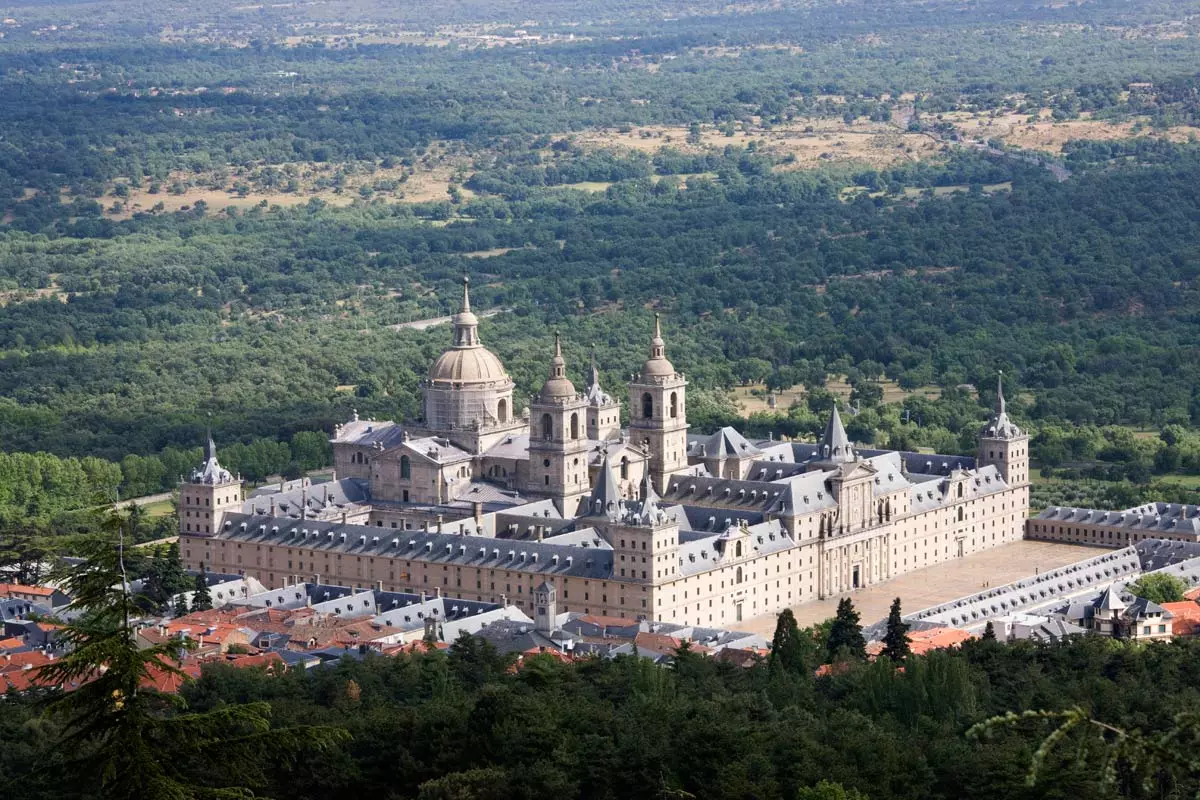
{"x": 999, "y": 426}
{"x": 595, "y": 394}
{"x": 835, "y": 446}
{"x": 606, "y": 494}
{"x": 211, "y": 471}
{"x": 649, "y": 509}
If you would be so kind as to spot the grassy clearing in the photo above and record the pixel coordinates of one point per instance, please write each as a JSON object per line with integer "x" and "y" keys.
{"x": 752, "y": 398}
{"x": 810, "y": 142}
{"x": 161, "y": 508}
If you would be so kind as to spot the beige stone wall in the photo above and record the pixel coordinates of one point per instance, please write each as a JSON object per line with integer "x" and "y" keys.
{"x": 815, "y": 567}
{"x": 277, "y": 565}
{"x": 1111, "y": 536}
{"x": 201, "y": 506}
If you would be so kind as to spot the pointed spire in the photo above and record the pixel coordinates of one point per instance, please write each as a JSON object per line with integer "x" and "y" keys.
{"x": 606, "y": 494}
{"x": 649, "y": 508}
{"x": 595, "y": 393}
{"x": 999, "y": 426}
{"x": 658, "y": 327}
{"x": 466, "y": 303}
{"x": 835, "y": 446}
{"x": 211, "y": 471}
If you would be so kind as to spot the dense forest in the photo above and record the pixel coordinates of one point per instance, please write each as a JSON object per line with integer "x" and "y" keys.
{"x": 130, "y": 324}
{"x": 461, "y": 724}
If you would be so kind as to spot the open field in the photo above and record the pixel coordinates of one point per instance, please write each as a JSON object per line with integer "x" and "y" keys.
{"x": 1049, "y": 136}
{"x": 937, "y": 584}
{"x": 805, "y": 143}
{"x": 812, "y": 142}
{"x": 752, "y": 398}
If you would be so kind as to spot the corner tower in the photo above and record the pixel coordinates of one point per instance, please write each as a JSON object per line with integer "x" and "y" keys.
{"x": 1003, "y": 444}
{"x": 658, "y": 412}
{"x": 644, "y": 537}
{"x": 207, "y": 495}
{"x": 558, "y": 443}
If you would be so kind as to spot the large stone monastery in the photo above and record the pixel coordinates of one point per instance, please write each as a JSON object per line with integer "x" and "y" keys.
{"x": 480, "y": 501}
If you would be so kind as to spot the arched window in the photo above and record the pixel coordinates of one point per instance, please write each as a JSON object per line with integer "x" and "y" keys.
{"x": 739, "y": 574}
{"x": 502, "y": 410}
{"x": 624, "y": 468}
{"x": 574, "y": 426}
{"x": 960, "y": 515}
{"x": 647, "y": 406}
{"x": 960, "y": 490}
{"x": 674, "y": 405}
{"x": 737, "y": 552}
{"x": 405, "y": 468}
{"x": 547, "y": 427}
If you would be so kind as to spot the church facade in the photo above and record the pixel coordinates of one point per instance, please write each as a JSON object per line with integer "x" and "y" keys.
{"x": 645, "y": 520}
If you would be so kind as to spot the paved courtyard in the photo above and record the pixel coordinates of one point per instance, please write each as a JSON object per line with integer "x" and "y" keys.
{"x": 939, "y": 583}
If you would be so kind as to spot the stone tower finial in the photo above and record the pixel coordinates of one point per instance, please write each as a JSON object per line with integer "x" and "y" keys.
{"x": 658, "y": 347}
{"x": 1000, "y": 393}
{"x": 558, "y": 364}
{"x": 466, "y": 303}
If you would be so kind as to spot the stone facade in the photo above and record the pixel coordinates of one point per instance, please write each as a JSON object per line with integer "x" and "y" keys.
{"x": 644, "y": 522}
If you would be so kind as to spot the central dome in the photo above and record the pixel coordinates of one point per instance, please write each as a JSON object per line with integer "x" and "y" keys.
{"x": 468, "y": 361}
{"x": 467, "y": 365}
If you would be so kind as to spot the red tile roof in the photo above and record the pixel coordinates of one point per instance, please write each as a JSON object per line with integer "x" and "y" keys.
{"x": 1186, "y": 621}
{"x": 7, "y": 589}
{"x": 921, "y": 642}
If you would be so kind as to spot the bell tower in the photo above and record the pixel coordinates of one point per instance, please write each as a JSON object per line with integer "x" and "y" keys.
{"x": 658, "y": 412}
{"x": 558, "y": 443}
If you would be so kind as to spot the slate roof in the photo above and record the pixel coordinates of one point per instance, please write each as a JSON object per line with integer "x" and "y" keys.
{"x": 1039, "y": 590}
{"x": 211, "y": 472}
{"x": 1172, "y": 518}
{"x": 329, "y": 497}
{"x": 369, "y": 433}
{"x": 725, "y": 443}
{"x": 364, "y": 540}
{"x": 707, "y": 553}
